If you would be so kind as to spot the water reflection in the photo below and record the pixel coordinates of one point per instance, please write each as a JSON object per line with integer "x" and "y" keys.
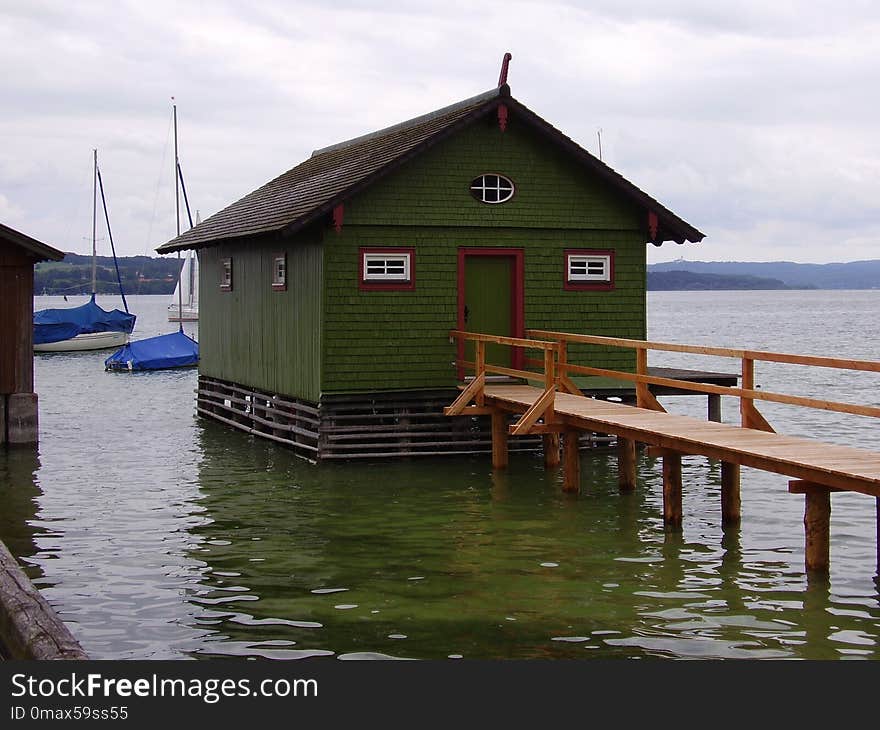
{"x": 18, "y": 496}
{"x": 430, "y": 560}
{"x": 160, "y": 535}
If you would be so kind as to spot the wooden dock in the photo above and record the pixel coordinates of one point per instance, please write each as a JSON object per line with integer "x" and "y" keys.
{"x": 560, "y": 412}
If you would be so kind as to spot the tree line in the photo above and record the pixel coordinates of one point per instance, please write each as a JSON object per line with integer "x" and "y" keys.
{"x": 139, "y": 274}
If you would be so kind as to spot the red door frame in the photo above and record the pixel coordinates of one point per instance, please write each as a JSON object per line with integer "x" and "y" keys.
{"x": 517, "y": 299}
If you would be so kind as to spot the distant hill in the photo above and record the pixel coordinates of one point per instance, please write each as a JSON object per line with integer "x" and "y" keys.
{"x": 73, "y": 275}
{"x": 850, "y": 275}
{"x": 688, "y": 280}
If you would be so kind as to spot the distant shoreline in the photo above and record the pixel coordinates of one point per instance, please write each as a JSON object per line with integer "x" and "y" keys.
{"x": 709, "y": 275}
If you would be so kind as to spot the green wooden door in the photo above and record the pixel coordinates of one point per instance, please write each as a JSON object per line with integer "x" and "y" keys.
{"x": 488, "y": 292}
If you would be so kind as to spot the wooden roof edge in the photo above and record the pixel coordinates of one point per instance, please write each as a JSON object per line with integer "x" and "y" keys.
{"x": 42, "y": 251}
{"x": 674, "y": 228}
{"x": 170, "y": 247}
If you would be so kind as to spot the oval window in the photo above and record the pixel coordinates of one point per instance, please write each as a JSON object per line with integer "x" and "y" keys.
{"x": 492, "y": 188}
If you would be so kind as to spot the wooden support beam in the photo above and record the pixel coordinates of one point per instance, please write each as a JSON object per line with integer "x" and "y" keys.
{"x": 499, "y": 439}
{"x": 731, "y": 510}
{"x": 672, "y": 491}
{"x": 466, "y": 396}
{"x": 550, "y": 443}
{"x": 750, "y": 416}
{"x": 568, "y": 385}
{"x": 817, "y": 524}
{"x": 541, "y": 407}
{"x": 571, "y": 469}
{"x": 626, "y": 465}
{"x": 545, "y": 428}
{"x": 649, "y": 401}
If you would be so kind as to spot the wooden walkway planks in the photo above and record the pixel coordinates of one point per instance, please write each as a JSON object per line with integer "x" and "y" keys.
{"x": 840, "y": 467}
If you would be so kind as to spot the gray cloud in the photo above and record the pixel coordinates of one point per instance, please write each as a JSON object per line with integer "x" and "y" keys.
{"x": 754, "y": 121}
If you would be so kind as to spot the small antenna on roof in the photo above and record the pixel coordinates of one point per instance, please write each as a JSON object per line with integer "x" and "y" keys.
{"x": 505, "y": 62}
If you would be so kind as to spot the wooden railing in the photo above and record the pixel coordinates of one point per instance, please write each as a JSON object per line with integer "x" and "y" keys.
{"x": 474, "y": 391}
{"x": 558, "y": 370}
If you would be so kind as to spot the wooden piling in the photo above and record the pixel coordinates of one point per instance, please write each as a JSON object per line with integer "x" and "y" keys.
{"x": 672, "y": 490}
{"x": 551, "y": 450}
{"x": 626, "y": 464}
{"x": 731, "y": 511}
{"x": 499, "y": 439}
{"x": 817, "y": 524}
{"x": 571, "y": 469}
{"x": 714, "y": 407}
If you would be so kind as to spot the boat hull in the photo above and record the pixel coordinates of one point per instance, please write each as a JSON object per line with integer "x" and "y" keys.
{"x": 189, "y": 315}
{"x": 89, "y": 341}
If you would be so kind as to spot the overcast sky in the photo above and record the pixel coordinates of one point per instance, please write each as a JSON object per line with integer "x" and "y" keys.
{"x": 757, "y": 122}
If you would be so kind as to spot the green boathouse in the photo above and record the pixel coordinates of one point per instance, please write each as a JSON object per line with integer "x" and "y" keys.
{"x": 328, "y": 294}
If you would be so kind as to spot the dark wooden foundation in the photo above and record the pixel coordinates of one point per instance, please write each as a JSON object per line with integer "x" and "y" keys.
{"x": 372, "y": 426}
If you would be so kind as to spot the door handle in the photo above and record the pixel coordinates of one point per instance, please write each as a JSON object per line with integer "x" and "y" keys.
{"x": 466, "y": 313}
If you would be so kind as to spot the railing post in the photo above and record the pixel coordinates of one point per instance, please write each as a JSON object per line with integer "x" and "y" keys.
{"x": 748, "y": 383}
{"x": 562, "y": 364}
{"x": 643, "y": 393}
{"x": 549, "y": 379}
{"x": 480, "y": 365}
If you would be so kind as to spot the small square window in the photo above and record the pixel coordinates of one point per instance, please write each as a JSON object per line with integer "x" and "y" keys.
{"x": 279, "y": 272}
{"x": 589, "y": 270}
{"x": 390, "y": 268}
{"x": 226, "y": 274}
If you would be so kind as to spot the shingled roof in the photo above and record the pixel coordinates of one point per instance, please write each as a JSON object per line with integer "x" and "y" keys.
{"x": 333, "y": 174}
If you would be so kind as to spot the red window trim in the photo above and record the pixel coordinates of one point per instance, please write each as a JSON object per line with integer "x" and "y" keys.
{"x": 588, "y": 285}
{"x": 517, "y": 304}
{"x": 386, "y": 285}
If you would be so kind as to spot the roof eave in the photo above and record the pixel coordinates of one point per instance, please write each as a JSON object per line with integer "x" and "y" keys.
{"x": 40, "y": 250}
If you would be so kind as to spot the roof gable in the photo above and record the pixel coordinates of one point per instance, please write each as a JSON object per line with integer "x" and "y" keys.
{"x": 333, "y": 174}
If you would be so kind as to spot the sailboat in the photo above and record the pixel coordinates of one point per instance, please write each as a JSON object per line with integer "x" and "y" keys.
{"x": 185, "y": 300}
{"x": 87, "y": 327}
{"x": 175, "y": 349}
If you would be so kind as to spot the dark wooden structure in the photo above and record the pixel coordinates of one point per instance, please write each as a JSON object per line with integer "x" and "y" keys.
{"x": 18, "y": 402}
{"x": 559, "y": 406}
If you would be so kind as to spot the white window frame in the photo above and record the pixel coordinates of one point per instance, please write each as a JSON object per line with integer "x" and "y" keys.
{"x": 279, "y": 282}
{"x": 588, "y": 261}
{"x": 373, "y": 258}
{"x": 478, "y": 185}
{"x": 226, "y": 273}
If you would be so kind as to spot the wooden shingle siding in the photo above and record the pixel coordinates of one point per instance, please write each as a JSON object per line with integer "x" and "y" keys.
{"x": 266, "y": 338}
{"x": 386, "y": 340}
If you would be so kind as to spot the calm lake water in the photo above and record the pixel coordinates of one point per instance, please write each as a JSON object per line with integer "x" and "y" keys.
{"x": 157, "y": 534}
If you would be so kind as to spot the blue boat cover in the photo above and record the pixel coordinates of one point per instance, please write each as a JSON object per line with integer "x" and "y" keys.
{"x": 54, "y": 325}
{"x": 174, "y": 350}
